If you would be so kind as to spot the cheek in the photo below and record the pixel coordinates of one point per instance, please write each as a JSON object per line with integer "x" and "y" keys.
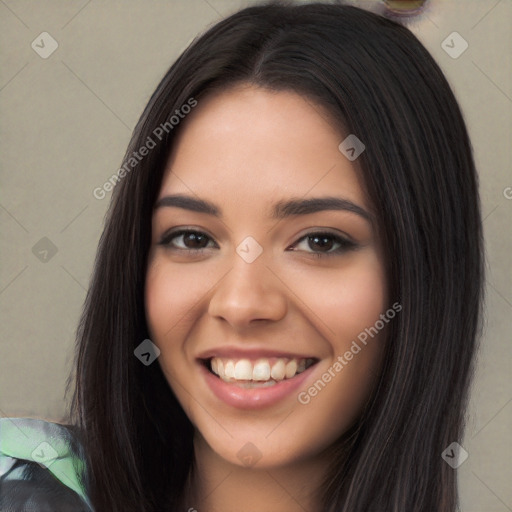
{"x": 170, "y": 297}
{"x": 175, "y": 302}
{"x": 358, "y": 298}
{"x": 344, "y": 300}
{"x": 347, "y": 304}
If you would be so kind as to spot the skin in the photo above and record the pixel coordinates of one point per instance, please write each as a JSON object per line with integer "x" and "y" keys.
{"x": 244, "y": 149}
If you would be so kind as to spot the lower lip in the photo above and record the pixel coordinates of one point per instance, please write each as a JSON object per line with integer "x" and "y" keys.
{"x": 255, "y": 398}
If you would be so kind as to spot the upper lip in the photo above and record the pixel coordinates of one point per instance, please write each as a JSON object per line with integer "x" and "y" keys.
{"x": 230, "y": 352}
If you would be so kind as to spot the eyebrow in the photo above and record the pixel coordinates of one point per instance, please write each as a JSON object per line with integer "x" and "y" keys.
{"x": 281, "y": 210}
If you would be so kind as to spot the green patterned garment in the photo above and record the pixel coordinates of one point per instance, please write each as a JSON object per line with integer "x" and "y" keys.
{"x": 39, "y": 471}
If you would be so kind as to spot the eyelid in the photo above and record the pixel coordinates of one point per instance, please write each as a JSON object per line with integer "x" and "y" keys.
{"x": 345, "y": 241}
{"x": 168, "y": 235}
{"x": 325, "y": 231}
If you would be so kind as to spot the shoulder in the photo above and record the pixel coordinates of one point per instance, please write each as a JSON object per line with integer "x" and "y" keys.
{"x": 40, "y": 467}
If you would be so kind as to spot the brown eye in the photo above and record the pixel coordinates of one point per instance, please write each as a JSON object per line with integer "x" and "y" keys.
{"x": 187, "y": 240}
{"x": 195, "y": 241}
{"x": 323, "y": 244}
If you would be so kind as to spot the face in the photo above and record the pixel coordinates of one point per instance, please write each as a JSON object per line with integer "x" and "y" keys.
{"x": 265, "y": 270}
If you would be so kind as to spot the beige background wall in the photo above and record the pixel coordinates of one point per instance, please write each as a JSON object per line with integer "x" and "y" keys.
{"x": 65, "y": 123}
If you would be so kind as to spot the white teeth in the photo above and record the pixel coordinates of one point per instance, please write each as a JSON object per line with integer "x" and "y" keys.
{"x": 253, "y": 384}
{"x": 261, "y": 370}
{"x": 278, "y": 370}
{"x": 243, "y": 370}
{"x": 291, "y": 369}
{"x": 229, "y": 369}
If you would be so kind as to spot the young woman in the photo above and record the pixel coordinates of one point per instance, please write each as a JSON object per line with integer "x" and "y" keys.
{"x": 286, "y": 298}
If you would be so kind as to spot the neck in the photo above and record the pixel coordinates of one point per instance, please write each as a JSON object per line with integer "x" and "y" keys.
{"x": 218, "y": 485}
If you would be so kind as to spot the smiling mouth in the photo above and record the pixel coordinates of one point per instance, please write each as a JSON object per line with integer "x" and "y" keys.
{"x": 262, "y": 372}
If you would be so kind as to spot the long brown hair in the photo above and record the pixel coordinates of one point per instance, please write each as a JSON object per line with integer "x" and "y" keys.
{"x": 379, "y": 82}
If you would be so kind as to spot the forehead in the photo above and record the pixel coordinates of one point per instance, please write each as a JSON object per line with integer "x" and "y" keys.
{"x": 251, "y": 144}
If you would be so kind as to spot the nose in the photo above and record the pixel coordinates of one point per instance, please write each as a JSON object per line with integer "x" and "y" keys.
{"x": 250, "y": 292}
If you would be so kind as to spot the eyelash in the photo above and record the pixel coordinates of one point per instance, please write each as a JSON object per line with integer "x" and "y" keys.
{"x": 344, "y": 244}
